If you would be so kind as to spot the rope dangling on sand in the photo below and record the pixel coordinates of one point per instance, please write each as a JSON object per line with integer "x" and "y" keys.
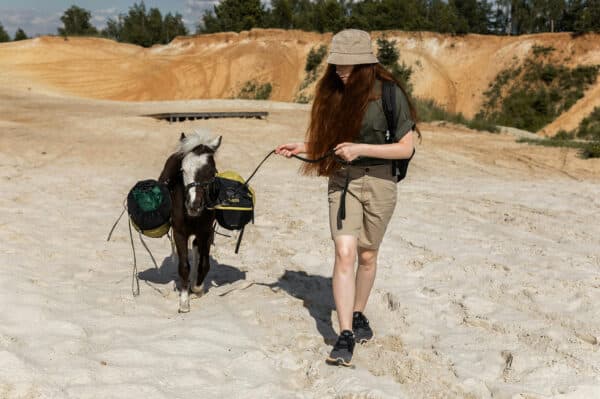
{"x": 134, "y": 278}
{"x": 116, "y": 222}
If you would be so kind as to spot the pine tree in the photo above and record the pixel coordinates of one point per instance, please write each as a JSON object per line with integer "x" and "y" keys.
{"x": 136, "y": 28}
{"x": 173, "y": 26}
{"x": 442, "y": 17}
{"x": 76, "y": 22}
{"x": 280, "y": 15}
{"x": 3, "y": 35}
{"x": 20, "y": 35}
{"x": 234, "y": 16}
{"x": 155, "y": 26}
{"x": 114, "y": 29}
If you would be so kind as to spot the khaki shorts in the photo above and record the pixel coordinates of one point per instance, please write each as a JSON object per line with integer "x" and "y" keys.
{"x": 370, "y": 203}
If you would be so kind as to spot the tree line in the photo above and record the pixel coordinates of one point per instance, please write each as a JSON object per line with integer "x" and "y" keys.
{"x": 5, "y": 37}
{"x": 502, "y": 17}
{"x": 139, "y": 26}
{"x": 512, "y": 17}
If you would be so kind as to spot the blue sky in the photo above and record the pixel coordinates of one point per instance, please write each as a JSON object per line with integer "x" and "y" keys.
{"x": 43, "y": 16}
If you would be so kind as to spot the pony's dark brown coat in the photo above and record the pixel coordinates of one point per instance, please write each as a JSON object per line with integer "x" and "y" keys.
{"x": 185, "y": 225}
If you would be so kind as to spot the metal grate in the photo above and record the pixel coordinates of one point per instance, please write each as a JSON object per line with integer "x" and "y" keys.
{"x": 192, "y": 116}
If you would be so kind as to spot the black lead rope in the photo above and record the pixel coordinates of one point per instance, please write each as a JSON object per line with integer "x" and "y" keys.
{"x": 327, "y": 154}
{"x": 341, "y": 215}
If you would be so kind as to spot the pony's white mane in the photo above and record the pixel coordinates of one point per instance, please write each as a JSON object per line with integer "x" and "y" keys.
{"x": 194, "y": 139}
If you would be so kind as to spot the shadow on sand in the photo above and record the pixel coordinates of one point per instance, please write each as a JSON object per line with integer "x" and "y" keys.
{"x": 219, "y": 273}
{"x": 315, "y": 291}
{"x": 316, "y": 295}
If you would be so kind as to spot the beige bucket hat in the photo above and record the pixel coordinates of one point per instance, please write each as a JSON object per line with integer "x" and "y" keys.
{"x": 351, "y": 47}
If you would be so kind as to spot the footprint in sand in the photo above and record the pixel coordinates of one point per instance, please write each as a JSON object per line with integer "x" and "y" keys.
{"x": 392, "y": 302}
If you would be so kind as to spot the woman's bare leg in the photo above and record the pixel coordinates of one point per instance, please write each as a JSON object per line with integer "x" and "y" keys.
{"x": 344, "y": 279}
{"x": 365, "y": 276}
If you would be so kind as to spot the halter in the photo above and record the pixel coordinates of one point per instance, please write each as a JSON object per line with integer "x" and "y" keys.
{"x": 207, "y": 190}
{"x": 204, "y": 185}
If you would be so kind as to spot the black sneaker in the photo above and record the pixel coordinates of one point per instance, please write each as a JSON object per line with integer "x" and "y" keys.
{"x": 341, "y": 354}
{"x": 360, "y": 327}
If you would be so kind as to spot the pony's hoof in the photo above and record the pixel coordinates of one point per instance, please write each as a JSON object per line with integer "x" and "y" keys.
{"x": 198, "y": 290}
{"x": 184, "y": 302}
{"x": 184, "y": 310}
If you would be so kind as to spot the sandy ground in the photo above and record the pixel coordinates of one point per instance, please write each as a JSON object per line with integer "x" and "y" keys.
{"x": 487, "y": 287}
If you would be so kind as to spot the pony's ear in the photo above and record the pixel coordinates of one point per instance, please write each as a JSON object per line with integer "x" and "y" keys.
{"x": 182, "y": 137}
{"x": 215, "y": 143}
{"x": 171, "y": 169}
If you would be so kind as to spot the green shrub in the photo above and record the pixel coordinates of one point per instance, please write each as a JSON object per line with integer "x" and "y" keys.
{"x": 247, "y": 91}
{"x": 542, "y": 50}
{"x": 590, "y": 150}
{"x": 308, "y": 79}
{"x": 388, "y": 56}
{"x": 586, "y": 149}
{"x": 548, "y": 73}
{"x": 253, "y": 91}
{"x": 482, "y": 124}
{"x": 581, "y": 76}
{"x": 589, "y": 128}
{"x": 495, "y": 88}
{"x": 533, "y": 95}
{"x": 263, "y": 92}
{"x": 403, "y": 73}
{"x": 429, "y": 110}
{"x": 315, "y": 57}
{"x": 303, "y": 99}
{"x": 552, "y": 142}
{"x": 564, "y": 135}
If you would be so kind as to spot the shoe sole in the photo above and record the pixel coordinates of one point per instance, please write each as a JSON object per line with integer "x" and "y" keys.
{"x": 363, "y": 340}
{"x": 338, "y": 362}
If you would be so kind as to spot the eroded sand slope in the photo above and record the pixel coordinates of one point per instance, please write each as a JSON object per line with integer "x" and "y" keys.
{"x": 453, "y": 70}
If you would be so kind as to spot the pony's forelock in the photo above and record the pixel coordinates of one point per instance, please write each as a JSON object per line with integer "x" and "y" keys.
{"x": 194, "y": 139}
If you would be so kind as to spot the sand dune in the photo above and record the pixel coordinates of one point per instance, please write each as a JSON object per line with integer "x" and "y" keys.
{"x": 453, "y": 70}
{"x": 488, "y": 279}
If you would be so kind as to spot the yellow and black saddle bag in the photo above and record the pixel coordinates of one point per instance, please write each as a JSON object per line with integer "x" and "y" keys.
{"x": 234, "y": 202}
{"x": 149, "y": 207}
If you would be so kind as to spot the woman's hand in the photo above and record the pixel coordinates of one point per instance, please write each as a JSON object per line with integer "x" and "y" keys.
{"x": 289, "y": 149}
{"x": 348, "y": 151}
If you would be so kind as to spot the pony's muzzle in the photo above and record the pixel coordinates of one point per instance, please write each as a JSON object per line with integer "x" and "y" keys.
{"x": 195, "y": 202}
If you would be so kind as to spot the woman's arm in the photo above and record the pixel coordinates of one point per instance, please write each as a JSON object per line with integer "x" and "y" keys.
{"x": 403, "y": 149}
{"x": 289, "y": 149}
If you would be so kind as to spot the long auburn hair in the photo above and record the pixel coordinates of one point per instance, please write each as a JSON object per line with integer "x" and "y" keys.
{"x": 338, "y": 110}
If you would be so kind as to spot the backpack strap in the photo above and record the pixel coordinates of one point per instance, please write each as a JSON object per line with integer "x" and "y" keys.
{"x": 388, "y": 99}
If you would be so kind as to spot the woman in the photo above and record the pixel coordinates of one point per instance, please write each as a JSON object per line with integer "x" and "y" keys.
{"x": 347, "y": 116}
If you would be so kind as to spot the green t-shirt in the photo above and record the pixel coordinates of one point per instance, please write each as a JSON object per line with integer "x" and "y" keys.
{"x": 374, "y": 124}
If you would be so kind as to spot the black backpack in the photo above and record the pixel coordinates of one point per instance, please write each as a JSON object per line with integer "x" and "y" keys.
{"x": 149, "y": 208}
{"x": 234, "y": 202}
{"x": 388, "y": 99}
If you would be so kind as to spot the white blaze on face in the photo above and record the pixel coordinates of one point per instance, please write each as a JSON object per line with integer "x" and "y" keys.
{"x": 190, "y": 165}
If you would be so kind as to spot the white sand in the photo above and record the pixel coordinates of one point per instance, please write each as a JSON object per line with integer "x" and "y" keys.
{"x": 487, "y": 286}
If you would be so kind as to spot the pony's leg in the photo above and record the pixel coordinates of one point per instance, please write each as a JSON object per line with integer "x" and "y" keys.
{"x": 204, "y": 262}
{"x": 181, "y": 243}
{"x": 196, "y": 268}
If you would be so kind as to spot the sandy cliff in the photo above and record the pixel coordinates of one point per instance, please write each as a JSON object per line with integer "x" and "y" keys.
{"x": 455, "y": 71}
